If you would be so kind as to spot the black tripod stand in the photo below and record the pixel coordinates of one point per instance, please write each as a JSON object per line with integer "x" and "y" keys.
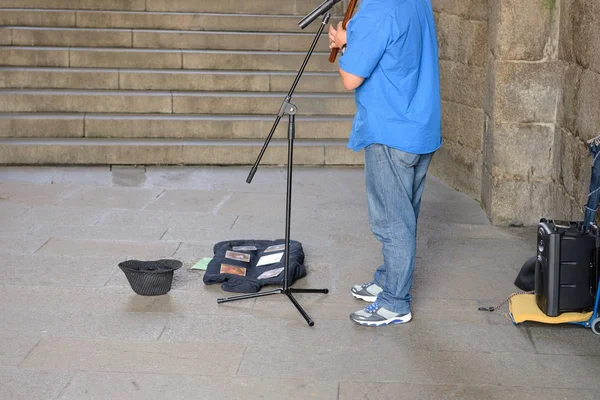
{"x": 287, "y": 108}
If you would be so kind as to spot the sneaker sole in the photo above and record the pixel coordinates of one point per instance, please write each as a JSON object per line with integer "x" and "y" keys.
{"x": 370, "y": 299}
{"x": 394, "y": 321}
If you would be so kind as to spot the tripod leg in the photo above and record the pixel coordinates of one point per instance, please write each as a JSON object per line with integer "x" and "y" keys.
{"x": 294, "y": 290}
{"x": 300, "y": 309}
{"x": 249, "y": 296}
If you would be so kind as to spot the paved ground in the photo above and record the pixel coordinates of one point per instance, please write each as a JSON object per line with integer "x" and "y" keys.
{"x": 71, "y": 328}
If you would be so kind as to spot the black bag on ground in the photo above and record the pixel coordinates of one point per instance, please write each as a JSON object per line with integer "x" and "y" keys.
{"x": 249, "y": 283}
{"x": 526, "y": 278}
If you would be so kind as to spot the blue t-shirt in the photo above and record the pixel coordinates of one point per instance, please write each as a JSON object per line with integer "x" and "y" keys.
{"x": 393, "y": 45}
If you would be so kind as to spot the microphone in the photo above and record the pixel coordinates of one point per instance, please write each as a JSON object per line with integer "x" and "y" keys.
{"x": 317, "y": 12}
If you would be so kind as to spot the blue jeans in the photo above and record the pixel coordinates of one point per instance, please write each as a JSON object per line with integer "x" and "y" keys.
{"x": 395, "y": 182}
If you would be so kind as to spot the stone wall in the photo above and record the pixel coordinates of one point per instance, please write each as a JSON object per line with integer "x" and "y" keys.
{"x": 578, "y": 114}
{"x": 462, "y": 34}
{"x": 520, "y": 88}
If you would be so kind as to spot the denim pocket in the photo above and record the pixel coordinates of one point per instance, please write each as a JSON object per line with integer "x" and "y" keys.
{"x": 403, "y": 158}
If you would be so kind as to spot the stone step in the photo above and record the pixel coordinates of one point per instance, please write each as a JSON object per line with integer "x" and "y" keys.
{"x": 110, "y": 101}
{"x": 295, "y": 7}
{"x": 39, "y": 125}
{"x": 165, "y": 39}
{"x": 128, "y": 79}
{"x": 162, "y": 59}
{"x": 153, "y": 20}
{"x": 171, "y": 152}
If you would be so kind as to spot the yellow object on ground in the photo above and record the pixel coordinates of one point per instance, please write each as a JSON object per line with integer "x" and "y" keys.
{"x": 523, "y": 308}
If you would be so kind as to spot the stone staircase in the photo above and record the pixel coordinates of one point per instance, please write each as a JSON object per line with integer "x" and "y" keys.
{"x": 165, "y": 82}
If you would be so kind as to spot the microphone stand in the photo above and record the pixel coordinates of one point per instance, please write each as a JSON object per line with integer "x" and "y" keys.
{"x": 289, "y": 109}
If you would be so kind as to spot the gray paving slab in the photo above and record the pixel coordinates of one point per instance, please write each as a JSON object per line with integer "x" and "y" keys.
{"x": 402, "y": 391}
{"x": 183, "y": 200}
{"x": 56, "y": 270}
{"x": 129, "y": 249}
{"x": 27, "y": 193}
{"x": 72, "y": 328}
{"x": 112, "y": 197}
{"x": 21, "y": 245}
{"x": 25, "y": 384}
{"x": 381, "y": 364}
{"x": 46, "y": 215}
{"x": 138, "y": 386}
{"x": 142, "y": 356}
{"x": 14, "y": 349}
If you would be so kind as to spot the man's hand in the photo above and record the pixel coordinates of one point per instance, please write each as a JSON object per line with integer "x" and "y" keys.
{"x": 337, "y": 37}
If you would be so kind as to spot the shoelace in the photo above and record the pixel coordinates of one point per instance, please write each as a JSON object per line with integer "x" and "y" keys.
{"x": 372, "y": 308}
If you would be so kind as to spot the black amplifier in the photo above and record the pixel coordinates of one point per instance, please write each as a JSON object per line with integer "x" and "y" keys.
{"x": 566, "y": 272}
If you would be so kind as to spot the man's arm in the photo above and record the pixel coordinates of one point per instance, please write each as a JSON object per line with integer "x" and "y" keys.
{"x": 350, "y": 81}
{"x": 337, "y": 38}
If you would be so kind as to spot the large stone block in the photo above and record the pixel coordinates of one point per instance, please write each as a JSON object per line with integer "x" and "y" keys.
{"x": 523, "y": 28}
{"x": 51, "y": 18}
{"x": 185, "y": 21}
{"x": 210, "y": 127}
{"x": 464, "y": 125}
{"x": 88, "y": 153}
{"x": 460, "y": 167}
{"x": 125, "y": 58}
{"x": 24, "y": 56}
{"x": 585, "y": 34}
{"x": 575, "y": 167}
{"x": 468, "y": 9}
{"x": 193, "y": 80}
{"x": 5, "y": 36}
{"x": 568, "y": 107}
{"x": 520, "y": 202}
{"x": 261, "y": 103}
{"x": 204, "y": 40}
{"x": 588, "y": 106}
{"x": 255, "y": 61}
{"x": 30, "y": 78}
{"x": 339, "y": 154}
{"x": 243, "y": 154}
{"x": 70, "y": 37}
{"x": 40, "y": 125}
{"x": 464, "y": 84}
{"x": 224, "y": 6}
{"x": 85, "y": 101}
{"x": 462, "y": 40}
{"x": 127, "y": 5}
{"x": 297, "y": 7}
{"x": 526, "y": 92}
{"x": 523, "y": 150}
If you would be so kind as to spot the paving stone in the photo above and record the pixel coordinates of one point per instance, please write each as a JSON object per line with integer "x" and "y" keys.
{"x": 83, "y": 324}
{"x": 14, "y": 349}
{"x": 112, "y": 197}
{"x": 24, "y": 384}
{"x": 408, "y": 366}
{"x": 143, "y": 356}
{"x": 250, "y": 330}
{"x": 403, "y": 391}
{"x": 21, "y": 245}
{"x": 26, "y": 193}
{"x": 130, "y": 249}
{"x": 548, "y": 371}
{"x": 168, "y": 220}
{"x": 131, "y": 232}
{"x": 47, "y": 215}
{"x": 564, "y": 339}
{"x": 57, "y": 270}
{"x": 138, "y": 386}
{"x": 189, "y": 201}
